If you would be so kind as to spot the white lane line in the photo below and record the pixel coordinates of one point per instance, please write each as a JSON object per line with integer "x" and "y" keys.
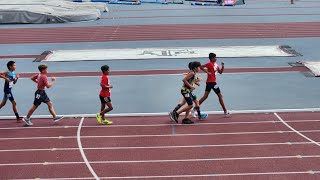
{"x": 159, "y": 135}
{"x": 165, "y": 161}
{"x": 144, "y": 125}
{"x": 159, "y": 147}
{"x": 192, "y": 175}
{"x": 35, "y": 138}
{"x": 166, "y": 113}
{"x": 82, "y": 152}
{"x": 141, "y": 125}
{"x": 202, "y": 146}
{"x": 302, "y": 135}
{"x": 157, "y": 125}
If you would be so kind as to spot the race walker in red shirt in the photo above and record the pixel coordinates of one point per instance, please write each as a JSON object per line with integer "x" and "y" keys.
{"x": 104, "y": 96}
{"x": 40, "y": 96}
{"x": 211, "y": 83}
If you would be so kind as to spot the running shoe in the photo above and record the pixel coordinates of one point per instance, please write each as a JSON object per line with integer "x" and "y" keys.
{"x": 98, "y": 116}
{"x": 27, "y": 121}
{"x": 176, "y": 116}
{"x": 203, "y": 116}
{"x": 193, "y": 113}
{"x": 107, "y": 122}
{"x": 227, "y": 113}
{"x": 19, "y": 120}
{"x": 187, "y": 121}
{"x": 58, "y": 118}
{"x": 173, "y": 117}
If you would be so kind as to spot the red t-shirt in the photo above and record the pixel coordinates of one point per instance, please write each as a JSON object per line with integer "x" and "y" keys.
{"x": 213, "y": 68}
{"x": 42, "y": 81}
{"x": 105, "y": 92}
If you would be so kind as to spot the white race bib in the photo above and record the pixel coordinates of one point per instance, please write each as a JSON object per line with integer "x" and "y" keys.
{"x": 10, "y": 84}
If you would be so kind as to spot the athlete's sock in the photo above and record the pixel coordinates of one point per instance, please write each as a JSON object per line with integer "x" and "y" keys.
{"x": 17, "y": 115}
{"x": 198, "y": 111}
{"x": 177, "y": 107}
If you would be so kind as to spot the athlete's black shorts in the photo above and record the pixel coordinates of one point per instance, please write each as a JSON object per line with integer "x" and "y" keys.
{"x": 104, "y": 99}
{"x": 189, "y": 96}
{"x": 214, "y": 86}
{"x": 8, "y": 95}
{"x": 40, "y": 96}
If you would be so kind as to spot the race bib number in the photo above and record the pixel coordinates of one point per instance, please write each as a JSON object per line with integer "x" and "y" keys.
{"x": 10, "y": 84}
{"x": 187, "y": 95}
{"x": 38, "y": 96}
{"x": 216, "y": 86}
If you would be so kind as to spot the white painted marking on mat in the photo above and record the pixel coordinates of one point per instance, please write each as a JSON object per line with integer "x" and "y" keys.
{"x": 167, "y": 53}
{"x": 302, "y": 135}
{"x": 176, "y": 74}
{"x": 82, "y": 152}
{"x": 314, "y": 66}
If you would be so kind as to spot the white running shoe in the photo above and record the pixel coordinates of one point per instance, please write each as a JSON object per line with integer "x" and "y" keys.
{"x": 27, "y": 121}
{"x": 193, "y": 113}
{"x": 58, "y": 118}
{"x": 227, "y": 113}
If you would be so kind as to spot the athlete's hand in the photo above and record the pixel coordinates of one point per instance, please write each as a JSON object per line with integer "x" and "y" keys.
{"x": 53, "y": 79}
{"x": 7, "y": 79}
{"x": 192, "y": 88}
{"x": 222, "y": 63}
{"x": 110, "y": 86}
{"x": 199, "y": 79}
{"x": 17, "y": 76}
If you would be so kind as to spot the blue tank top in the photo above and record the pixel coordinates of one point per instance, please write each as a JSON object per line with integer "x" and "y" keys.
{"x": 11, "y": 76}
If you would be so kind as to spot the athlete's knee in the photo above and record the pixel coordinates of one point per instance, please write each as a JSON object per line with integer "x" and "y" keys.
{"x": 110, "y": 106}
{"x": 205, "y": 96}
{"x": 2, "y": 104}
{"x": 50, "y": 105}
{"x": 14, "y": 103}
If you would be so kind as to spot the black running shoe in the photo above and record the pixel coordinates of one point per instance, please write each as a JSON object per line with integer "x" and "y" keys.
{"x": 173, "y": 117}
{"x": 187, "y": 121}
{"x": 176, "y": 115}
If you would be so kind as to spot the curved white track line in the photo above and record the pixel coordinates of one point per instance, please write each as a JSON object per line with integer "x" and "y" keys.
{"x": 307, "y": 138}
{"x": 82, "y": 152}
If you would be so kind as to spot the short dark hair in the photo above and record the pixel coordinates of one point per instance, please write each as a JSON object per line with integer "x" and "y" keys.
{"x": 190, "y": 65}
{"x": 104, "y": 68}
{"x": 10, "y": 64}
{"x": 196, "y": 64}
{"x": 212, "y": 55}
{"x": 42, "y": 67}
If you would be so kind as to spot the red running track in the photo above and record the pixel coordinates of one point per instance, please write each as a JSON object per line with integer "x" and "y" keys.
{"x": 159, "y": 32}
{"x": 242, "y": 146}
